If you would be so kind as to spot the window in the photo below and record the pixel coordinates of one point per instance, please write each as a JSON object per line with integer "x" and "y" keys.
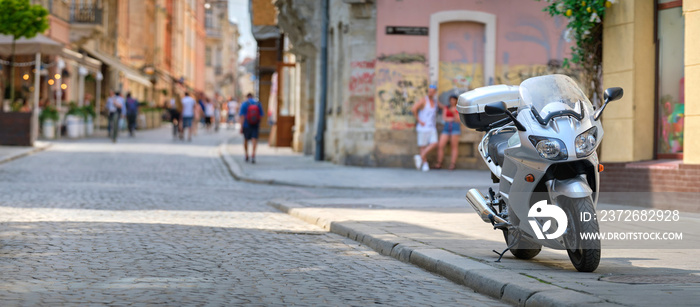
{"x": 670, "y": 108}
{"x": 207, "y": 56}
{"x": 209, "y": 19}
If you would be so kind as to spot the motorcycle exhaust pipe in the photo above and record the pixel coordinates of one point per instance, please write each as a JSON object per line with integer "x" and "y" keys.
{"x": 480, "y": 205}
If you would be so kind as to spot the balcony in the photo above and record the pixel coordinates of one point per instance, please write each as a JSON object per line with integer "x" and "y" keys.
{"x": 85, "y": 23}
{"x": 84, "y": 18}
{"x": 85, "y": 15}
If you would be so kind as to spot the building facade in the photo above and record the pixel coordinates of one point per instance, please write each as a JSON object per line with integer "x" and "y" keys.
{"x": 652, "y": 139}
{"x": 221, "y": 52}
{"x": 380, "y": 63}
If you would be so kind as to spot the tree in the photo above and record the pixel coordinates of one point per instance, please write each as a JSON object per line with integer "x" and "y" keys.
{"x": 586, "y": 28}
{"x": 19, "y": 18}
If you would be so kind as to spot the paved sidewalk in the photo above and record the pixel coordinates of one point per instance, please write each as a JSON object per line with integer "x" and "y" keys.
{"x": 284, "y": 167}
{"x": 443, "y": 235}
{"x": 9, "y": 153}
{"x": 455, "y": 243}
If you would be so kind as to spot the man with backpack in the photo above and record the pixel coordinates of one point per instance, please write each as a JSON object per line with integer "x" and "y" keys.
{"x": 252, "y": 112}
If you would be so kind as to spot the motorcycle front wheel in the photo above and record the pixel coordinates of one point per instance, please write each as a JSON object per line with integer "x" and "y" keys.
{"x": 584, "y": 254}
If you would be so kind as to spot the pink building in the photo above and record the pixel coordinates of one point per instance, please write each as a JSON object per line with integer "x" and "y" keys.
{"x": 383, "y": 55}
{"x": 458, "y": 45}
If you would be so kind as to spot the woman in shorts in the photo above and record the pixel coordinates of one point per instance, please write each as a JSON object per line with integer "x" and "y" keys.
{"x": 450, "y": 132}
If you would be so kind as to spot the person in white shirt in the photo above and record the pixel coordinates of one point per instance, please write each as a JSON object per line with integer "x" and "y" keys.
{"x": 114, "y": 106}
{"x": 189, "y": 107}
{"x": 425, "y": 112}
{"x": 232, "y": 112}
{"x": 208, "y": 113}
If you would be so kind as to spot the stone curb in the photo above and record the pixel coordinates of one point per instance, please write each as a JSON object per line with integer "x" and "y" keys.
{"x": 25, "y": 153}
{"x": 237, "y": 172}
{"x": 502, "y": 284}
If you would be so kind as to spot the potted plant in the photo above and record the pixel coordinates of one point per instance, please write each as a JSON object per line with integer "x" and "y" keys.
{"x": 89, "y": 113}
{"x": 75, "y": 119}
{"x": 47, "y": 120}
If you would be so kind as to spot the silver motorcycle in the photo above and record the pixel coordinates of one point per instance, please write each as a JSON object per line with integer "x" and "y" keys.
{"x": 540, "y": 145}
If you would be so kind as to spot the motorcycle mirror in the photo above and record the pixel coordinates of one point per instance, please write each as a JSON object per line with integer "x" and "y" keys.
{"x": 611, "y": 94}
{"x": 495, "y": 108}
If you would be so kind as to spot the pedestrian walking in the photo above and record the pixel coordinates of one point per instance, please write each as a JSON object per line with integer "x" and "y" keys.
{"x": 217, "y": 112}
{"x": 132, "y": 110}
{"x": 232, "y": 105}
{"x": 209, "y": 112}
{"x": 175, "y": 107}
{"x": 114, "y": 108}
{"x": 200, "y": 100}
{"x": 189, "y": 109}
{"x": 425, "y": 112}
{"x": 251, "y": 112}
{"x": 450, "y": 132}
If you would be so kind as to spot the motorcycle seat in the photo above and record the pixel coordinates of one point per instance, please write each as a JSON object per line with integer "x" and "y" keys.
{"x": 497, "y": 146}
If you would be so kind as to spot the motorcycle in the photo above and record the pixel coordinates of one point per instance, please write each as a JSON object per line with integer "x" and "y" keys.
{"x": 540, "y": 146}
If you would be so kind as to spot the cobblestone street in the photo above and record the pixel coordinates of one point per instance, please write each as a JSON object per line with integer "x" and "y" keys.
{"x": 153, "y": 221}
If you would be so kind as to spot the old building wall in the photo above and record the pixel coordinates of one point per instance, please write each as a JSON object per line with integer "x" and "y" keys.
{"x": 349, "y": 136}
{"x": 198, "y": 48}
{"x": 628, "y": 62}
{"x": 300, "y": 21}
{"x": 691, "y": 154}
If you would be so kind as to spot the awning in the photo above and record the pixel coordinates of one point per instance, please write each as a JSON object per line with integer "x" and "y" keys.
{"x": 88, "y": 62}
{"x": 38, "y": 43}
{"x": 129, "y": 72}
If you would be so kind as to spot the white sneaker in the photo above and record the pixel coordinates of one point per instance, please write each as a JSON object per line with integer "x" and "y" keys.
{"x": 418, "y": 161}
{"x": 425, "y": 167}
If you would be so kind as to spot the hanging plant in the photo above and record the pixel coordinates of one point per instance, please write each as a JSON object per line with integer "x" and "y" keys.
{"x": 585, "y": 28}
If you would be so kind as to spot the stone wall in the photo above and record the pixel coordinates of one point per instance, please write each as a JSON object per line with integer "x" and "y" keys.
{"x": 350, "y": 121}
{"x": 654, "y": 184}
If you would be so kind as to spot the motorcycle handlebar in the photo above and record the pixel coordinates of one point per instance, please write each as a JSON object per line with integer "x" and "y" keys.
{"x": 501, "y": 122}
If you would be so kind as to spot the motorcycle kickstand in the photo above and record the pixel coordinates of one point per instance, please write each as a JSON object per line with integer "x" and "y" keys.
{"x": 515, "y": 241}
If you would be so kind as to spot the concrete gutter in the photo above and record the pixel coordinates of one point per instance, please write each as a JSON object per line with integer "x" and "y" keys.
{"x": 39, "y": 147}
{"x": 508, "y": 286}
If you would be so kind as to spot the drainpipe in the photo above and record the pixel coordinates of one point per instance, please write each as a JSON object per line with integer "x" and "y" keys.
{"x": 320, "y": 129}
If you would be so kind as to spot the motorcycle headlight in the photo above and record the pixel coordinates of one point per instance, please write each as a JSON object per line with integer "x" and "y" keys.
{"x": 549, "y": 148}
{"x": 585, "y": 142}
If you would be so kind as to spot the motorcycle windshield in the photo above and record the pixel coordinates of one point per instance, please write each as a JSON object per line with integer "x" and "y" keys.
{"x": 553, "y": 95}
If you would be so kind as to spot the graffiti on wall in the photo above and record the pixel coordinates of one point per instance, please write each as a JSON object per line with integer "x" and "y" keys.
{"x": 361, "y": 89}
{"x": 399, "y": 86}
{"x": 461, "y": 57}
